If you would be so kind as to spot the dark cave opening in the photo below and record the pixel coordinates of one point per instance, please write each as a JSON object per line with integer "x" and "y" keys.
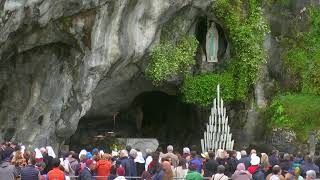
{"x": 152, "y": 114}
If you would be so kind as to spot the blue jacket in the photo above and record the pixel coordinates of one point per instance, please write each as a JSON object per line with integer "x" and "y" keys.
{"x": 29, "y": 173}
{"x": 258, "y": 175}
{"x": 86, "y": 174}
{"x": 126, "y": 164}
{"x": 133, "y": 167}
{"x": 245, "y": 160}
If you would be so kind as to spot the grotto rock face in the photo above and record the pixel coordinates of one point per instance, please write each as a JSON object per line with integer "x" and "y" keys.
{"x": 53, "y": 54}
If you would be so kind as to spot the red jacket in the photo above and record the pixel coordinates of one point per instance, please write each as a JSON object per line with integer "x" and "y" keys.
{"x": 56, "y": 174}
{"x": 103, "y": 168}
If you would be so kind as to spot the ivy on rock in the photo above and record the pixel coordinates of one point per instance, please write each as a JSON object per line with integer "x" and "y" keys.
{"x": 246, "y": 28}
{"x": 168, "y": 59}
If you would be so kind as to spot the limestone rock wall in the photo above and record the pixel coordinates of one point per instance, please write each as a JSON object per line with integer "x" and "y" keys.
{"x": 53, "y": 54}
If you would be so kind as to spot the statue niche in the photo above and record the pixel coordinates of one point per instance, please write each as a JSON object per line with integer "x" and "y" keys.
{"x": 212, "y": 43}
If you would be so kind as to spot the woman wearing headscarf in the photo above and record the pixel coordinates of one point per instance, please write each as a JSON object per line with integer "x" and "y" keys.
{"x": 241, "y": 173}
{"x": 140, "y": 162}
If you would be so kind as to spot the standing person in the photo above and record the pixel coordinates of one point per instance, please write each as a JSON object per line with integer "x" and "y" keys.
{"x": 148, "y": 158}
{"x": 30, "y": 172}
{"x": 154, "y": 166}
{"x": 168, "y": 174}
{"x": 186, "y": 153}
{"x": 125, "y": 162}
{"x": 133, "y": 167}
{"x": 254, "y": 169}
{"x": 87, "y": 172}
{"x": 7, "y": 171}
{"x": 140, "y": 163}
{"x": 220, "y": 174}
{"x": 171, "y": 155}
{"x": 265, "y": 165}
{"x": 56, "y": 173}
{"x": 286, "y": 163}
{"x": 244, "y": 159}
{"x": 196, "y": 161}
{"x": 210, "y": 168}
{"x": 222, "y": 160}
{"x": 193, "y": 174}
{"x": 241, "y": 173}
{"x": 73, "y": 163}
{"x": 103, "y": 166}
{"x": 182, "y": 170}
{"x": 274, "y": 158}
{"x": 308, "y": 165}
{"x": 276, "y": 174}
{"x": 232, "y": 162}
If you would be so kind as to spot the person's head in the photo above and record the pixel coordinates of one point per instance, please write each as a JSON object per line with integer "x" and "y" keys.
{"x": 253, "y": 151}
{"x": 148, "y": 152}
{"x": 186, "y": 150}
{"x": 241, "y": 167}
{"x": 32, "y": 161}
{"x": 255, "y": 160}
{"x": 311, "y": 174}
{"x": 308, "y": 158}
{"x": 220, "y": 169}
{"x": 233, "y": 154}
{"x": 106, "y": 156}
{"x": 90, "y": 164}
{"x": 264, "y": 158}
{"x": 123, "y": 153}
{"x": 193, "y": 154}
{"x": 120, "y": 171}
{"x": 275, "y": 152}
{"x": 83, "y": 157}
{"x": 170, "y": 149}
{"x": 243, "y": 153}
{"x": 286, "y": 157}
{"x": 41, "y": 166}
{"x": 220, "y": 154}
{"x": 95, "y": 151}
{"x": 155, "y": 156}
{"x": 128, "y": 148}
{"x": 56, "y": 162}
{"x": 211, "y": 154}
{"x": 133, "y": 153}
{"x": 276, "y": 169}
{"x": 183, "y": 163}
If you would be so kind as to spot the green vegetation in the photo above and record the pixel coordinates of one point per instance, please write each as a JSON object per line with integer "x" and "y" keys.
{"x": 303, "y": 55}
{"x": 246, "y": 29}
{"x": 300, "y": 111}
{"x": 199, "y": 89}
{"x": 168, "y": 59}
{"x": 297, "y": 112}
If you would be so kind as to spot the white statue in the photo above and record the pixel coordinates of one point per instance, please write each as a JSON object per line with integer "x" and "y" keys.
{"x": 212, "y": 43}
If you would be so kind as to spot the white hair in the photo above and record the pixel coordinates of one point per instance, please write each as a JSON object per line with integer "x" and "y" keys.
{"x": 148, "y": 151}
{"x": 311, "y": 174}
{"x": 123, "y": 153}
{"x": 243, "y": 153}
{"x": 133, "y": 153}
{"x": 186, "y": 150}
{"x": 170, "y": 148}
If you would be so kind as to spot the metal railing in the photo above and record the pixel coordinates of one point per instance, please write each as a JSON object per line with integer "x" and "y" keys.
{"x": 133, "y": 177}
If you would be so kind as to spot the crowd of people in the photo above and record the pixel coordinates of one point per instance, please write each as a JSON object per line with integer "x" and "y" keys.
{"x": 94, "y": 164}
